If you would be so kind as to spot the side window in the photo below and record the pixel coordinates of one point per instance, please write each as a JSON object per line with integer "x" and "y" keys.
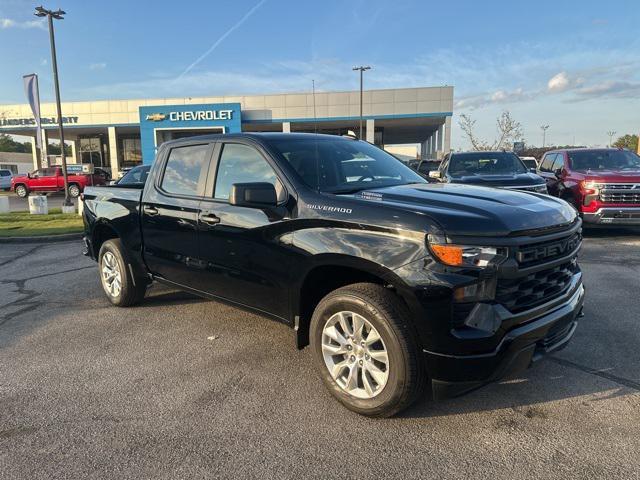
{"x": 559, "y": 162}
{"x": 49, "y": 172}
{"x": 240, "y": 164}
{"x": 547, "y": 162}
{"x": 186, "y": 169}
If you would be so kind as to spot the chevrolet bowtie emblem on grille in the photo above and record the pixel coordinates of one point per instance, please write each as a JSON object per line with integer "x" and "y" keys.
{"x": 156, "y": 117}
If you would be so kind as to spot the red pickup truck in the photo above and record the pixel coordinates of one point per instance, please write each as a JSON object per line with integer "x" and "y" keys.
{"x": 52, "y": 180}
{"x": 603, "y": 184}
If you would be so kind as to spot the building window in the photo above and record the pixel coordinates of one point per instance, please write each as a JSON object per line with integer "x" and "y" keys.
{"x": 130, "y": 151}
{"x": 91, "y": 151}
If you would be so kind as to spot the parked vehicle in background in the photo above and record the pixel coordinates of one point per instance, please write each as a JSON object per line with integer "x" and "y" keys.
{"x": 603, "y": 184}
{"x": 423, "y": 167}
{"x": 530, "y": 162}
{"x": 5, "y": 179}
{"x": 391, "y": 280}
{"x": 135, "y": 175}
{"x": 489, "y": 169}
{"x": 51, "y": 180}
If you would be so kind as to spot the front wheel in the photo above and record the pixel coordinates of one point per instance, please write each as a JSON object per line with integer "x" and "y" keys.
{"x": 365, "y": 350}
{"x": 121, "y": 288}
{"x": 21, "y": 191}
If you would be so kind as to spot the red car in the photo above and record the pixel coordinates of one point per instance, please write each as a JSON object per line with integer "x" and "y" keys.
{"x": 603, "y": 184}
{"x": 52, "y": 180}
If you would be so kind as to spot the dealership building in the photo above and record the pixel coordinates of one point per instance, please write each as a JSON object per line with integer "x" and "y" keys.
{"x": 115, "y": 134}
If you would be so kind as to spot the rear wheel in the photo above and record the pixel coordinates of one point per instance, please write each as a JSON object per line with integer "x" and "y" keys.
{"x": 365, "y": 351}
{"x": 21, "y": 191}
{"x": 118, "y": 283}
{"x": 74, "y": 190}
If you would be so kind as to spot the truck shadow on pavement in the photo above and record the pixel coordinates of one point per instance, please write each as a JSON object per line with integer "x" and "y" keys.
{"x": 527, "y": 395}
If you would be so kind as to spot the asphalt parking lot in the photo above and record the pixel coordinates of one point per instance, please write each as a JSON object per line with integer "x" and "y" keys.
{"x": 181, "y": 387}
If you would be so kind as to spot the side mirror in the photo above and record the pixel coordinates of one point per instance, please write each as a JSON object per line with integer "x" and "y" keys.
{"x": 29, "y": 175}
{"x": 558, "y": 172}
{"x": 435, "y": 174}
{"x": 253, "y": 195}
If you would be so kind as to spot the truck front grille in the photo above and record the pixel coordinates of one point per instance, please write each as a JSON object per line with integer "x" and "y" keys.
{"x": 529, "y": 291}
{"x": 619, "y": 192}
{"x": 543, "y": 252}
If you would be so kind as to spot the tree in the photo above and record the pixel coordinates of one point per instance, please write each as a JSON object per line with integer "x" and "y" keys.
{"x": 627, "y": 141}
{"x": 509, "y": 131}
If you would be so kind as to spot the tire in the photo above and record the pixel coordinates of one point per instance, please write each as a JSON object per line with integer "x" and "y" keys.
{"x": 385, "y": 312}
{"x": 115, "y": 276}
{"x": 74, "y": 190}
{"x": 21, "y": 191}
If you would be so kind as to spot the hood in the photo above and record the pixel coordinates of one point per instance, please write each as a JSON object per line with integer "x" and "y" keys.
{"x": 476, "y": 211}
{"x": 617, "y": 176}
{"x": 510, "y": 180}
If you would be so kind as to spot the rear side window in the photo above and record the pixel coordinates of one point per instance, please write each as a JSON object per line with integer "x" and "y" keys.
{"x": 186, "y": 169}
{"x": 547, "y": 162}
{"x": 5, "y": 173}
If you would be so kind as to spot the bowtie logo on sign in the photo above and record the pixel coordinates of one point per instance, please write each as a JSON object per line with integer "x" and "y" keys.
{"x": 156, "y": 117}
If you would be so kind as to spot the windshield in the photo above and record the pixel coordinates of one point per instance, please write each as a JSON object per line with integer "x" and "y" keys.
{"x": 137, "y": 175}
{"x": 485, "y": 163}
{"x": 343, "y": 166}
{"x": 604, "y": 160}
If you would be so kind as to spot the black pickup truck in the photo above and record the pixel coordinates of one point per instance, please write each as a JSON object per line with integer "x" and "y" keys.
{"x": 489, "y": 169}
{"x": 395, "y": 283}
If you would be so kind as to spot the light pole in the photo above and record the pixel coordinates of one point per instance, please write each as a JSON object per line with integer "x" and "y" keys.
{"x": 544, "y": 134}
{"x": 611, "y": 133}
{"x": 58, "y": 15}
{"x": 362, "y": 69}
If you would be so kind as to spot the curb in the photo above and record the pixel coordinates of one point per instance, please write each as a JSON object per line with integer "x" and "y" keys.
{"x": 43, "y": 239}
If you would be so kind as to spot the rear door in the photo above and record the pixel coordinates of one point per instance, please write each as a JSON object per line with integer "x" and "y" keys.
{"x": 170, "y": 212}
{"x": 245, "y": 260}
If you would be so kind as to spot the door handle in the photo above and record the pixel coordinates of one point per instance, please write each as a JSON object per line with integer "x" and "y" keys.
{"x": 209, "y": 218}
{"x": 149, "y": 210}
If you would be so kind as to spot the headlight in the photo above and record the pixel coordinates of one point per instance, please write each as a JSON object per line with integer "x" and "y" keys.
{"x": 464, "y": 255}
{"x": 542, "y": 188}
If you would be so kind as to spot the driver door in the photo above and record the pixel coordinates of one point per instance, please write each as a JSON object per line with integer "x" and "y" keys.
{"x": 245, "y": 260}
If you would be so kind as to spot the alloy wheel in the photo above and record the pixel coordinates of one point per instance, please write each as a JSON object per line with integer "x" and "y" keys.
{"x": 355, "y": 355}
{"x": 111, "y": 276}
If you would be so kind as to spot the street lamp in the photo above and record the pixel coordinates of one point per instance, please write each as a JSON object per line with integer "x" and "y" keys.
{"x": 544, "y": 133}
{"x": 58, "y": 15}
{"x": 361, "y": 69}
{"x": 611, "y": 133}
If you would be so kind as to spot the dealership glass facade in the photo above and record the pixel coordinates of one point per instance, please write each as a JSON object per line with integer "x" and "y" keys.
{"x": 117, "y": 134}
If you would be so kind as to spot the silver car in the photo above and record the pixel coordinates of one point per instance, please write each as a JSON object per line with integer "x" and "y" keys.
{"x": 5, "y": 179}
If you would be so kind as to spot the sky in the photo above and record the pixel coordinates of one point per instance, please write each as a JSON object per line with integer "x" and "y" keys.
{"x": 574, "y": 65}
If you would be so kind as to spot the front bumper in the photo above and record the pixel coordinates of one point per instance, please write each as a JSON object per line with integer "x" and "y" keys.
{"x": 613, "y": 216}
{"x": 527, "y": 342}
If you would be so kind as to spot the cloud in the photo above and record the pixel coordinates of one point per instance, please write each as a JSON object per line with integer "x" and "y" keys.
{"x": 559, "y": 82}
{"x": 98, "y": 66}
{"x": 611, "y": 89}
{"x": 9, "y": 23}
{"x": 496, "y": 97}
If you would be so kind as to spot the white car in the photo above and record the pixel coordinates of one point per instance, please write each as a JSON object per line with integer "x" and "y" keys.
{"x": 5, "y": 179}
